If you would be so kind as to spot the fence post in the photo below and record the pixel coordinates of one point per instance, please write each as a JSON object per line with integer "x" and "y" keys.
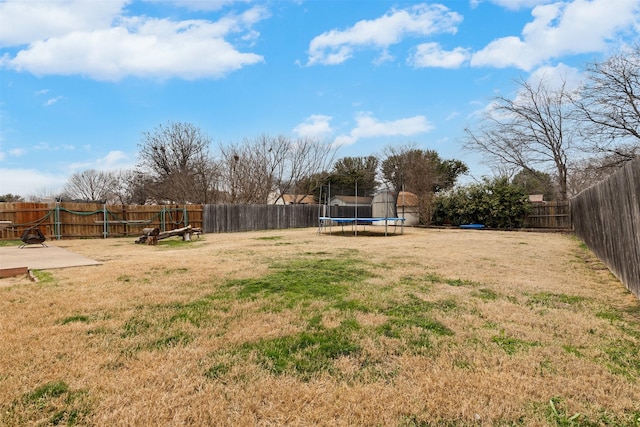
{"x": 56, "y": 219}
{"x": 105, "y": 223}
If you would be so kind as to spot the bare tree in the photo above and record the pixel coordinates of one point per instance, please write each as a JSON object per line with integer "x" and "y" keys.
{"x": 609, "y": 104}
{"x": 255, "y": 169}
{"x": 91, "y": 185}
{"x": 588, "y": 172}
{"x": 176, "y": 158}
{"x": 308, "y": 159}
{"x": 130, "y": 187}
{"x": 249, "y": 169}
{"x": 531, "y": 131}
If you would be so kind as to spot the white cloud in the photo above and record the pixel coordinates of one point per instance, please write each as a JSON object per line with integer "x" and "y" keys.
{"x": 432, "y": 55}
{"x": 23, "y": 181}
{"x": 208, "y": 5}
{"x": 24, "y": 22}
{"x": 335, "y": 47}
{"x": 314, "y": 126}
{"x": 513, "y": 4}
{"x": 561, "y": 28}
{"x": 369, "y": 127}
{"x": 556, "y": 76}
{"x": 17, "y": 152}
{"x": 52, "y": 101}
{"x": 113, "y": 160}
{"x": 44, "y": 146}
{"x": 134, "y": 46}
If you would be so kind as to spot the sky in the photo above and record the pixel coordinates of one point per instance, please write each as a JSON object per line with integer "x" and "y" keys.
{"x": 81, "y": 81}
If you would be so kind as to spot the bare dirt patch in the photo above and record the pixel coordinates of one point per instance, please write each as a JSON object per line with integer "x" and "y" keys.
{"x": 288, "y": 327}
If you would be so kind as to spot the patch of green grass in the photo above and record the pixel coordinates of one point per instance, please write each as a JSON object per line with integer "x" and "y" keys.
{"x": 46, "y": 391}
{"x": 135, "y": 326}
{"x": 43, "y": 276}
{"x": 351, "y": 305}
{"x": 486, "y": 294}
{"x": 197, "y": 312}
{"x": 559, "y": 416}
{"x": 511, "y": 345}
{"x": 77, "y": 318}
{"x": 623, "y": 358}
{"x": 178, "y": 338}
{"x": 10, "y": 243}
{"x": 554, "y": 300}
{"x": 414, "y": 306}
{"x": 573, "y": 350}
{"x": 304, "y": 280}
{"x": 611, "y": 316}
{"x": 270, "y": 238}
{"x": 446, "y": 305}
{"x": 53, "y": 403}
{"x": 434, "y": 278}
{"x": 217, "y": 371}
{"x": 410, "y": 320}
{"x": 306, "y": 353}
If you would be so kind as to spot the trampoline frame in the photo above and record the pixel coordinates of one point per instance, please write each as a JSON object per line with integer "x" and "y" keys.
{"x": 326, "y": 222}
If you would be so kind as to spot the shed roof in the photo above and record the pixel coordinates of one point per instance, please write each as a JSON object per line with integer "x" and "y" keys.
{"x": 406, "y": 198}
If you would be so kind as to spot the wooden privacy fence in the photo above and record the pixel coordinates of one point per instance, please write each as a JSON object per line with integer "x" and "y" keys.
{"x": 549, "y": 215}
{"x": 81, "y": 220}
{"x": 232, "y": 218}
{"x": 606, "y": 217}
{"x": 86, "y": 220}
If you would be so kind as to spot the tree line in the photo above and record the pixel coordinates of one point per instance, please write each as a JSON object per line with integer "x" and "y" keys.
{"x": 550, "y": 138}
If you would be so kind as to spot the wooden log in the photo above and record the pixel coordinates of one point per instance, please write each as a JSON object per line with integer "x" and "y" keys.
{"x": 165, "y": 234}
{"x": 151, "y": 231}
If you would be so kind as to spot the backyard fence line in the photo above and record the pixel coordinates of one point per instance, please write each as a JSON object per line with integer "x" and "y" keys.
{"x": 90, "y": 220}
{"x": 552, "y": 215}
{"x": 606, "y": 217}
{"x": 87, "y": 220}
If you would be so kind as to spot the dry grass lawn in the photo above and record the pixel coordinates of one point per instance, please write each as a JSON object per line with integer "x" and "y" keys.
{"x": 287, "y": 327}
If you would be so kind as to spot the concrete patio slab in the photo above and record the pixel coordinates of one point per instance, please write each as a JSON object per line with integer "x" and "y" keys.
{"x": 37, "y": 257}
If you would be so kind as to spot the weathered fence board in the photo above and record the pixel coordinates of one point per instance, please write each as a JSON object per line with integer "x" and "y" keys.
{"x": 233, "y": 218}
{"x": 549, "y": 215}
{"x": 606, "y": 217}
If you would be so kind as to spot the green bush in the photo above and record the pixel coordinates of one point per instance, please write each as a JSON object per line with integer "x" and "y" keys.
{"x": 495, "y": 203}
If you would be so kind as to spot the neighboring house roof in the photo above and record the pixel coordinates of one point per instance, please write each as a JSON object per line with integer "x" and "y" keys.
{"x": 303, "y": 199}
{"x": 352, "y": 200}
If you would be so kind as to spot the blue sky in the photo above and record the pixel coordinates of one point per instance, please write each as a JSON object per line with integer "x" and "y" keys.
{"x": 81, "y": 80}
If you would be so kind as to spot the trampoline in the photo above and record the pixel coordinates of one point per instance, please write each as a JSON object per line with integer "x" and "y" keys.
{"x": 326, "y": 222}
{"x": 389, "y": 210}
